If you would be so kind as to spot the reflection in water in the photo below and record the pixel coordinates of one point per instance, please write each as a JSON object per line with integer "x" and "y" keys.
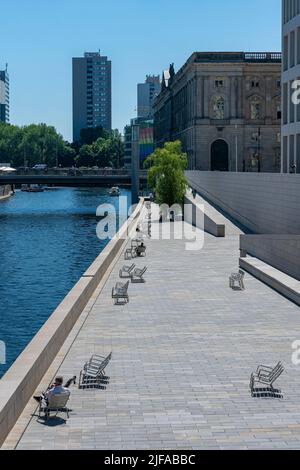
{"x": 47, "y": 240}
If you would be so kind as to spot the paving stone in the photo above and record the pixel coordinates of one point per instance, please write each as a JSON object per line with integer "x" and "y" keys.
{"x": 183, "y": 350}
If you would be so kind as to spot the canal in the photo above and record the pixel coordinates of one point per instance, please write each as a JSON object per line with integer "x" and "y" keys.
{"x": 47, "y": 241}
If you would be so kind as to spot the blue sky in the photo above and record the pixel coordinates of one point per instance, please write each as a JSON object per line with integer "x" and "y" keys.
{"x": 38, "y": 39}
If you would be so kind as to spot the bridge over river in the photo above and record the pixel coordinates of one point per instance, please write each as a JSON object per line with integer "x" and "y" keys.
{"x": 69, "y": 180}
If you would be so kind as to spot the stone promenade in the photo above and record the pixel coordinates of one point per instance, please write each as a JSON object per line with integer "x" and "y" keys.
{"x": 183, "y": 350}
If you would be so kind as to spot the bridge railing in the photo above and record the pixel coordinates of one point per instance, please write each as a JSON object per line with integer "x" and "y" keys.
{"x": 73, "y": 172}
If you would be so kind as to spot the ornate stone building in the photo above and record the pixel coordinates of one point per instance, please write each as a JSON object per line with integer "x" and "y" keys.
{"x": 226, "y": 109}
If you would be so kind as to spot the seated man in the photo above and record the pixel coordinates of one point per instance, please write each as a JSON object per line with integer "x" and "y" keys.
{"x": 140, "y": 249}
{"x": 55, "y": 389}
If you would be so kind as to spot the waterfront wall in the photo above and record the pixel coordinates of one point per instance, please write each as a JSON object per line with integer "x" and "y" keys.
{"x": 280, "y": 251}
{"x": 266, "y": 203}
{"x": 21, "y": 380}
{"x": 5, "y": 192}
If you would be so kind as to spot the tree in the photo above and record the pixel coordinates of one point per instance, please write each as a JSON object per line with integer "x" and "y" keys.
{"x": 117, "y": 149}
{"x": 102, "y": 152}
{"x": 86, "y": 156}
{"x": 67, "y": 156}
{"x": 29, "y": 145}
{"x": 166, "y": 173}
{"x": 105, "y": 151}
{"x": 89, "y": 135}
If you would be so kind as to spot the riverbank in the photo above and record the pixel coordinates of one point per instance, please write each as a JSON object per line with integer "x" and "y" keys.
{"x": 20, "y": 381}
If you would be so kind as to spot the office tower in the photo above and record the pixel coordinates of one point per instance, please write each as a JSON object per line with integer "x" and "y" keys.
{"x": 147, "y": 92}
{"x": 4, "y": 96}
{"x": 91, "y": 92}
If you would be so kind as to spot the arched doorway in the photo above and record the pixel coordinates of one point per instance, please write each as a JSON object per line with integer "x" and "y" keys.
{"x": 219, "y": 156}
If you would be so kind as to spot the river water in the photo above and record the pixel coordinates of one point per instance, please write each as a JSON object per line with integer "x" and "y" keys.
{"x": 47, "y": 241}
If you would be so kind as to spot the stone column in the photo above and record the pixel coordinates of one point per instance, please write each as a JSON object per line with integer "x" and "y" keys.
{"x": 194, "y": 99}
{"x": 268, "y": 87}
{"x": 189, "y": 103}
{"x": 240, "y": 97}
{"x": 199, "y": 97}
{"x": 233, "y": 110}
{"x": 206, "y": 98}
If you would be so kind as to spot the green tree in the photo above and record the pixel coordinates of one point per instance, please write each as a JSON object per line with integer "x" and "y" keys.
{"x": 89, "y": 135}
{"x": 67, "y": 155}
{"x": 105, "y": 151}
{"x": 36, "y": 143}
{"x": 117, "y": 149}
{"x": 101, "y": 149}
{"x": 166, "y": 177}
{"x": 86, "y": 156}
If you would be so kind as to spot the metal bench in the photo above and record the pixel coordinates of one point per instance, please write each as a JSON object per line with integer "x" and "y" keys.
{"x": 266, "y": 376}
{"x": 93, "y": 371}
{"x": 126, "y": 271}
{"x": 130, "y": 253}
{"x": 56, "y": 404}
{"x": 120, "y": 292}
{"x": 237, "y": 278}
{"x": 137, "y": 275}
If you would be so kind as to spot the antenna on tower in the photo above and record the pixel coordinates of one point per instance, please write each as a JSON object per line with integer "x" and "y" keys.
{"x": 6, "y": 67}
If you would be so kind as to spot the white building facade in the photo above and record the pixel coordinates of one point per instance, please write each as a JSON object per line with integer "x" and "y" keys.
{"x": 290, "y": 74}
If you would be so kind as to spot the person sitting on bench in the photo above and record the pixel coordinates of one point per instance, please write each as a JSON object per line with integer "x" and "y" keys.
{"x": 140, "y": 249}
{"x": 56, "y": 389}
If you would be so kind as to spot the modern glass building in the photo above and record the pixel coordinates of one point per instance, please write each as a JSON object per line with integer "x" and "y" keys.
{"x": 91, "y": 92}
{"x": 290, "y": 87}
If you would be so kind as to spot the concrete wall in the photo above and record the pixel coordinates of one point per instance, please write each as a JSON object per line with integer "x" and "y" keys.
{"x": 280, "y": 251}
{"x": 264, "y": 203}
{"x": 206, "y": 219}
{"x": 21, "y": 380}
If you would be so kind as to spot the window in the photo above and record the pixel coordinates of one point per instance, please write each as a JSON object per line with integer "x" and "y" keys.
{"x": 255, "y": 83}
{"x": 284, "y": 154}
{"x": 291, "y": 151}
{"x": 291, "y": 104}
{"x": 298, "y": 45}
{"x": 285, "y": 52}
{"x": 292, "y": 49}
{"x": 218, "y": 107}
{"x": 278, "y": 110}
{"x": 219, "y": 83}
{"x": 297, "y": 106}
{"x": 285, "y": 103}
{"x": 255, "y": 108}
{"x": 278, "y": 83}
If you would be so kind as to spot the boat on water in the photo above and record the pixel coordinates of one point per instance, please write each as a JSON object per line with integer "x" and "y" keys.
{"x": 32, "y": 188}
{"x": 114, "y": 191}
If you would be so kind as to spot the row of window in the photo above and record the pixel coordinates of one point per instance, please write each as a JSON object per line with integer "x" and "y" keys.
{"x": 291, "y": 110}
{"x": 291, "y": 8}
{"x": 291, "y": 45}
{"x": 254, "y": 83}
{"x": 291, "y": 153}
{"x": 255, "y": 103}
